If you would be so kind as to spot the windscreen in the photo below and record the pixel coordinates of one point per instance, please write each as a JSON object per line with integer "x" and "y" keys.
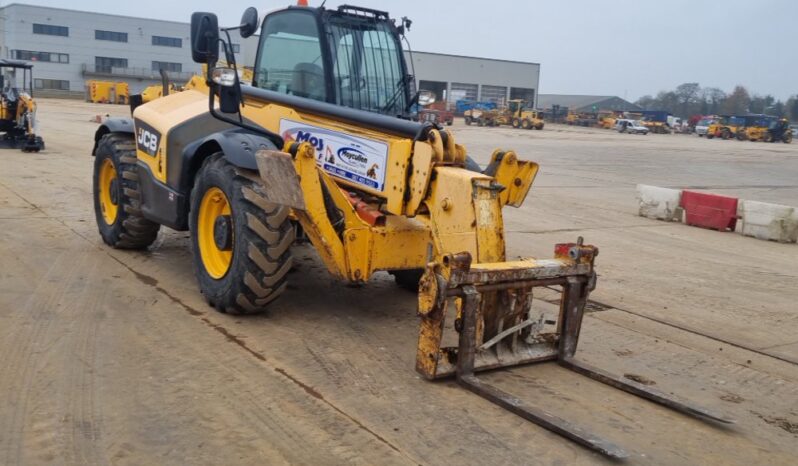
{"x": 367, "y": 65}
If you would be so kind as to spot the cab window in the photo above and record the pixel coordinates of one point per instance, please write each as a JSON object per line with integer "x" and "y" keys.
{"x": 289, "y": 56}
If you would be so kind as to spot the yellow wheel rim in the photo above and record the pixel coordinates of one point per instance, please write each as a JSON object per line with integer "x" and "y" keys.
{"x": 215, "y": 260}
{"x": 108, "y": 192}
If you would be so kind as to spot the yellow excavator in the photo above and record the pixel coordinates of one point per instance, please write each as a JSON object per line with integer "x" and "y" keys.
{"x": 323, "y": 142}
{"x": 18, "y": 128}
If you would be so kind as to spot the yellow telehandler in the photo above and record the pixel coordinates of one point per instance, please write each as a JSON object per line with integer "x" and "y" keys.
{"x": 322, "y": 141}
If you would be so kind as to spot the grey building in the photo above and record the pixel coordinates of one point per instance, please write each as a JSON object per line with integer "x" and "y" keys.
{"x": 586, "y": 103}
{"x": 69, "y": 47}
{"x": 456, "y": 77}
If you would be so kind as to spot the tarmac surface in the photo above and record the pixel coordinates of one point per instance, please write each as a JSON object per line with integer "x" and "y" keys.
{"x": 113, "y": 357}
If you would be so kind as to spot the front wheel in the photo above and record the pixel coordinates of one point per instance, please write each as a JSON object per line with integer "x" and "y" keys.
{"x": 526, "y": 124}
{"x": 468, "y": 120}
{"x": 117, "y": 197}
{"x": 787, "y": 138}
{"x": 240, "y": 241}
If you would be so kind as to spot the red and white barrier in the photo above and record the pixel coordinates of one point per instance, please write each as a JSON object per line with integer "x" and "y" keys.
{"x": 659, "y": 203}
{"x": 772, "y": 222}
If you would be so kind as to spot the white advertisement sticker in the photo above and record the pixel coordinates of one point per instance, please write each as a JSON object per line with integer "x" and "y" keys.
{"x": 353, "y": 158}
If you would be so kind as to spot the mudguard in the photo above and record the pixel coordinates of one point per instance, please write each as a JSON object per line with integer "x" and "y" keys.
{"x": 238, "y": 145}
{"x": 113, "y": 125}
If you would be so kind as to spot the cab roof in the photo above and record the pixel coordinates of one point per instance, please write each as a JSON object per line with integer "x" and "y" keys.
{"x": 6, "y": 63}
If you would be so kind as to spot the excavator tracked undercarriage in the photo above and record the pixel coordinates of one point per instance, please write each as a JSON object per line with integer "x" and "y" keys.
{"x": 329, "y": 147}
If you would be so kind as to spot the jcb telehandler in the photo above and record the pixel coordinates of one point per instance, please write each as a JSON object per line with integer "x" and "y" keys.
{"x": 322, "y": 141}
{"x": 17, "y": 108}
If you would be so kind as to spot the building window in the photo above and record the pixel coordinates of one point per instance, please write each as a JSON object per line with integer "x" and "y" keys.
{"x": 167, "y": 66}
{"x": 110, "y": 35}
{"x": 106, "y": 64}
{"x": 56, "y": 84}
{"x": 41, "y": 56}
{"x": 167, "y": 41}
{"x": 50, "y": 30}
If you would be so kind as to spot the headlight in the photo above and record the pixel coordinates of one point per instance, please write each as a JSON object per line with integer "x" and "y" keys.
{"x": 224, "y": 76}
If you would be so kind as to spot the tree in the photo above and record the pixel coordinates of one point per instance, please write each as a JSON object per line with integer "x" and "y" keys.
{"x": 646, "y": 102}
{"x": 737, "y": 102}
{"x": 761, "y": 104}
{"x": 687, "y": 95}
{"x": 792, "y": 107}
{"x": 713, "y": 99}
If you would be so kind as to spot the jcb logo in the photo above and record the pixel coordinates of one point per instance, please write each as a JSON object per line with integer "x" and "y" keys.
{"x": 148, "y": 141}
{"x": 147, "y": 138}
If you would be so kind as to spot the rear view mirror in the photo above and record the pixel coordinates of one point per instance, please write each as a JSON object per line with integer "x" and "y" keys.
{"x": 204, "y": 37}
{"x": 249, "y": 22}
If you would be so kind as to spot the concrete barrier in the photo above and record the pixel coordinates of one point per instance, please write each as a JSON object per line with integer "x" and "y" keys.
{"x": 659, "y": 203}
{"x": 772, "y": 222}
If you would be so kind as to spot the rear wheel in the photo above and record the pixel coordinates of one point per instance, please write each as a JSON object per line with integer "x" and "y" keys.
{"x": 725, "y": 133}
{"x": 516, "y": 123}
{"x": 468, "y": 120}
{"x": 526, "y": 124}
{"x": 241, "y": 242}
{"x": 117, "y": 199}
{"x": 787, "y": 138}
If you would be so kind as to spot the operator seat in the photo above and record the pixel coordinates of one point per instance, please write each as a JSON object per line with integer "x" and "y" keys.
{"x": 308, "y": 81}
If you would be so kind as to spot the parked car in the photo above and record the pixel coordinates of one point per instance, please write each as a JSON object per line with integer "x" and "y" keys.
{"x": 702, "y": 126}
{"x": 631, "y": 127}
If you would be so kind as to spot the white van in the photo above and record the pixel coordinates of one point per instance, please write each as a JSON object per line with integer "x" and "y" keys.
{"x": 630, "y": 126}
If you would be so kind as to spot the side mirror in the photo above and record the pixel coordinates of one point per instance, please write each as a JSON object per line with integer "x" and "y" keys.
{"x": 204, "y": 37}
{"x": 249, "y": 22}
{"x": 426, "y": 98}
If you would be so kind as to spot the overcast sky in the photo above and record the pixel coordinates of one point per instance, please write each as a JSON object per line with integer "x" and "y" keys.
{"x": 621, "y": 48}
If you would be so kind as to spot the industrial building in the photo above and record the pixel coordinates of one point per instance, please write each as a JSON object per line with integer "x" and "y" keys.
{"x": 70, "y": 47}
{"x": 456, "y": 77}
{"x": 585, "y": 103}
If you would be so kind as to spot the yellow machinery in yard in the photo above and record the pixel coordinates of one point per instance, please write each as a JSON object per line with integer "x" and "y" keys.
{"x": 107, "y": 92}
{"x": 321, "y": 143}
{"x": 18, "y": 128}
{"x": 725, "y": 128}
{"x": 514, "y": 114}
{"x": 764, "y": 128}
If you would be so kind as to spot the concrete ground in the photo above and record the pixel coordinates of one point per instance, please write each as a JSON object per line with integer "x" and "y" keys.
{"x": 113, "y": 357}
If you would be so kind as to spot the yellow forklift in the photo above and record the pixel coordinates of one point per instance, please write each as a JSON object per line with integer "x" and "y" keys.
{"x": 330, "y": 150}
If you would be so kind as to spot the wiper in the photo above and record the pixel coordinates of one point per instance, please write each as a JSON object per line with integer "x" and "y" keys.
{"x": 400, "y": 86}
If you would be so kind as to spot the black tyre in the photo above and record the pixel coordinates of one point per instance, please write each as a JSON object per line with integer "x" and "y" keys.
{"x": 408, "y": 279}
{"x": 117, "y": 198}
{"x": 526, "y": 124}
{"x": 725, "y": 133}
{"x": 480, "y": 122}
{"x": 468, "y": 120}
{"x": 241, "y": 242}
{"x": 787, "y": 138}
{"x": 516, "y": 123}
